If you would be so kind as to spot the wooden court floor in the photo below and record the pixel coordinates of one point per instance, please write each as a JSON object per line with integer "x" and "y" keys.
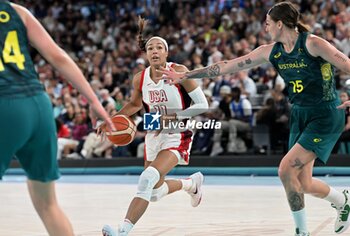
{"x": 226, "y": 210}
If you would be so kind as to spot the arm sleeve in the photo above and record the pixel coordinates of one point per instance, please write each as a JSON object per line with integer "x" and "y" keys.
{"x": 200, "y": 105}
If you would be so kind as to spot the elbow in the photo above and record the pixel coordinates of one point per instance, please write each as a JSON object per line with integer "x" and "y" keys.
{"x": 136, "y": 106}
{"x": 57, "y": 57}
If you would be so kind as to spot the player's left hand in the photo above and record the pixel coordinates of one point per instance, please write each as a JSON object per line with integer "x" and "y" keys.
{"x": 171, "y": 76}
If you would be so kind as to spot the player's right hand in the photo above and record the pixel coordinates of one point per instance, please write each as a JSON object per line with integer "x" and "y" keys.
{"x": 344, "y": 105}
{"x": 97, "y": 111}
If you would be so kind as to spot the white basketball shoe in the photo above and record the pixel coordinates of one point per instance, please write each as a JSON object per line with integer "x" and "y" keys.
{"x": 107, "y": 230}
{"x": 342, "y": 222}
{"x": 196, "y": 190}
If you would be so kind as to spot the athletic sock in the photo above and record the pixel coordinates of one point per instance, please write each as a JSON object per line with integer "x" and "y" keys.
{"x": 335, "y": 197}
{"x": 186, "y": 184}
{"x": 300, "y": 220}
{"x": 126, "y": 226}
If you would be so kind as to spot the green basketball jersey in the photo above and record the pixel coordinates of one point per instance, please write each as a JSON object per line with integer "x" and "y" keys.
{"x": 18, "y": 77}
{"x": 310, "y": 80}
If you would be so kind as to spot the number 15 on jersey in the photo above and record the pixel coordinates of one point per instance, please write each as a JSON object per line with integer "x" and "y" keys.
{"x": 297, "y": 86}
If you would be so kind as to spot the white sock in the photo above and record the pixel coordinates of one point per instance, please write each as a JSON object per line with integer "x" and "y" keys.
{"x": 335, "y": 197}
{"x": 300, "y": 220}
{"x": 186, "y": 184}
{"x": 126, "y": 226}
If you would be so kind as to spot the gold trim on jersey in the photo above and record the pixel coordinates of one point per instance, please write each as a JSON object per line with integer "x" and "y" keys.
{"x": 4, "y": 17}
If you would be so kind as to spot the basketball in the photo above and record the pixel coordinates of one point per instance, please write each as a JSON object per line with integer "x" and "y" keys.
{"x": 126, "y": 130}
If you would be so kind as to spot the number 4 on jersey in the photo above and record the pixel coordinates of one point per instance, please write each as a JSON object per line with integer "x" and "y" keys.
{"x": 11, "y": 52}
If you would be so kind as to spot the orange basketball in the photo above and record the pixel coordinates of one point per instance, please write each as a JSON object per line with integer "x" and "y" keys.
{"x": 126, "y": 130}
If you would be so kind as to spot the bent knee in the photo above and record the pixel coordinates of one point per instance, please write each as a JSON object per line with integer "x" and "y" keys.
{"x": 148, "y": 179}
{"x": 285, "y": 173}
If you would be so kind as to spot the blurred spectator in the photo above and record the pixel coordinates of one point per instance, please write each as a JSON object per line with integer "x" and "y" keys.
{"x": 226, "y": 23}
{"x": 216, "y": 86}
{"x": 140, "y": 65}
{"x": 94, "y": 146}
{"x": 58, "y": 107}
{"x": 119, "y": 100}
{"x": 63, "y": 130}
{"x": 344, "y": 44}
{"x": 68, "y": 114}
{"x": 236, "y": 119}
{"x": 215, "y": 55}
{"x": 246, "y": 84}
{"x": 345, "y": 136}
{"x": 318, "y": 30}
{"x": 267, "y": 116}
{"x": 106, "y": 97}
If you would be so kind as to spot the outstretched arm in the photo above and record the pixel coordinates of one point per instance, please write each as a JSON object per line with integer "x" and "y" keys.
{"x": 256, "y": 57}
{"x": 60, "y": 60}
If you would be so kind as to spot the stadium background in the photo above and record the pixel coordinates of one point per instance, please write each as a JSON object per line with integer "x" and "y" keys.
{"x": 101, "y": 38}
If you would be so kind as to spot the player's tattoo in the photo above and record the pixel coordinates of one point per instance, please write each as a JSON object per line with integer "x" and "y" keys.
{"x": 214, "y": 70}
{"x": 211, "y": 71}
{"x": 247, "y": 61}
{"x": 340, "y": 57}
{"x": 298, "y": 164}
{"x": 296, "y": 201}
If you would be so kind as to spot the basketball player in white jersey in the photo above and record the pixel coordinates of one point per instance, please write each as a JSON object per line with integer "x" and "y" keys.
{"x": 164, "y": 150}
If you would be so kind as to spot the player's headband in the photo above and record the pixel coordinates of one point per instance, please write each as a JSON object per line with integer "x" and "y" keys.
{"x": 161, "y": 39}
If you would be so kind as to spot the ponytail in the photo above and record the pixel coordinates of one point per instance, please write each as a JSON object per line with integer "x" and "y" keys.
{"x": 142, "y": 42}
{"x": 302, "y": 27}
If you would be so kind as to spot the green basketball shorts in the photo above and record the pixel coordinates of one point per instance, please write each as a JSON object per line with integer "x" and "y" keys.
{"x": 316, "y": 128}
{"x": 28, "y": 132}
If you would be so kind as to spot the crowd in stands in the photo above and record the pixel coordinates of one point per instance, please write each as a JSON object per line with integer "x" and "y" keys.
{"x": 101, "y": 37}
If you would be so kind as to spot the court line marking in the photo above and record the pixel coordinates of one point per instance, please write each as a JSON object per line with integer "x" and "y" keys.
{"x": 322, "y": 226}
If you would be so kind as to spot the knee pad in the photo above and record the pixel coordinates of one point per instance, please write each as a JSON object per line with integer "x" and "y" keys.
{"x": 160, "y": 192}
{"x": 148, "y": 179}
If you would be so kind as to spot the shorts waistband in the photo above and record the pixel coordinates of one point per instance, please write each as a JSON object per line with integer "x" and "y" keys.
{"x": 333, "y": 103}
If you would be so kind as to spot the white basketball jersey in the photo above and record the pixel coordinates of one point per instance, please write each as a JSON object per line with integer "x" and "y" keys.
{"x": 166, "y": 99}
{"x": 161, "y": 97}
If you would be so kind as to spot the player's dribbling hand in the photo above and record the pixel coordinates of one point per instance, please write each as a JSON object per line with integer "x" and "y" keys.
{"x": 344, "y": 105}
{"x": 171, "y": 76}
